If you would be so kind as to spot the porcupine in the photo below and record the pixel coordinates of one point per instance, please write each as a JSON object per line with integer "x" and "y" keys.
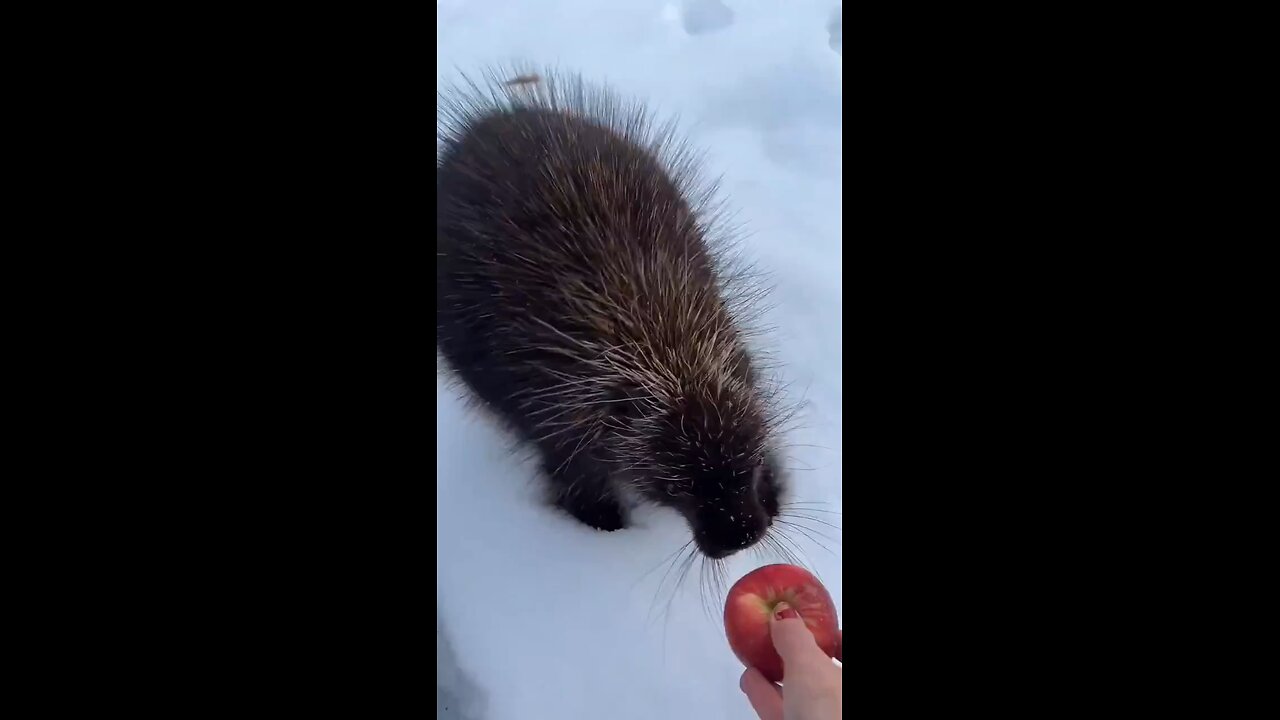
{"x": 585, "y": 295}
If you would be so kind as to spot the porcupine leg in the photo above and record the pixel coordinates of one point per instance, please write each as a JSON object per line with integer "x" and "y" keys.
{"x": 582, "y": 488}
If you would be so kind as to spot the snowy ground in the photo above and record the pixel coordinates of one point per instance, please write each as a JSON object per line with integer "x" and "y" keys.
{"x": 541, "y": 617}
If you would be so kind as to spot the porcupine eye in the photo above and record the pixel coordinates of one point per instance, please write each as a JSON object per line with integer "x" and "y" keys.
{"x": 677, "y": 488}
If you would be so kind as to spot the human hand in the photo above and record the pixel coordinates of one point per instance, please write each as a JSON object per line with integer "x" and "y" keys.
{"x": 813, "y": 684}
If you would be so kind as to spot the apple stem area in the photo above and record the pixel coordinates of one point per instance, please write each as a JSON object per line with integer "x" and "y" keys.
{"x": 771, "y": 607}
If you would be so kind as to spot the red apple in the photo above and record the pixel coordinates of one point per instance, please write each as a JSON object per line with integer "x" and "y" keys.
{"x": 751, "y": 603}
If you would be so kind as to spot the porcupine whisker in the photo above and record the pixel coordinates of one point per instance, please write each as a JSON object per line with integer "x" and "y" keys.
{"x": 665, "y": 561}
{"x": 770, "y": 541}
{"x": 807, "y": 533}
{"x": 802, "y": 515}
{"x": 685, "y": 566}
{"x": 784, "y": 548}
{"x": 785, "y": 538}
{"x": 811, "y": 532}
{"x": 815, "y": 536}
{"x": 806, "y": 507}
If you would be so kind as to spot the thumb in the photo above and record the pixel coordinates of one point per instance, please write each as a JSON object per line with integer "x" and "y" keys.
{"x": 791, "y": 637}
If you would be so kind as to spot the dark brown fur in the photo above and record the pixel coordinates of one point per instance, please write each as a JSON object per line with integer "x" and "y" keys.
{"x": 583, "y": 295}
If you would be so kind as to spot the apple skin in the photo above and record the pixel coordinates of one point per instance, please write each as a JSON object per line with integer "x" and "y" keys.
{"x": 751, "y": 603}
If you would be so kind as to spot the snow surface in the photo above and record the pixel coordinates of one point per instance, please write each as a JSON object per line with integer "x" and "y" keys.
{"x": 539, "y": 616}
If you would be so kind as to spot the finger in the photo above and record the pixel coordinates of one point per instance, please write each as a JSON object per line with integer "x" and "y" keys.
{"x": 791, "y": 637}
{"x": 765, "y": 697}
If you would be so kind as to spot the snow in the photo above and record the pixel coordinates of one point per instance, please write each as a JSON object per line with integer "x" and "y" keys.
{"x": 705, "y": 16}
{"x": 539, "y": 616}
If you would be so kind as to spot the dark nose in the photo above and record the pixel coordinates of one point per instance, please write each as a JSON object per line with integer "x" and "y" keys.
{"x": 717, "y": 553}
{"x": 720, "y": 541}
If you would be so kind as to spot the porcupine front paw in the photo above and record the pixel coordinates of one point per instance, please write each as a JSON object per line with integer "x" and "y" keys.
{"x": 582, "y": 488}
{"x": 602, "y": 513}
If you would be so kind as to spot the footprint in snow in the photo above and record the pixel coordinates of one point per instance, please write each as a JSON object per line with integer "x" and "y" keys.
{"x": 705, "y": 16}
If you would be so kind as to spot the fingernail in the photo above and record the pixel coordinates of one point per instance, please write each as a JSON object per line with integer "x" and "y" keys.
{"x": 783, "y": 611}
